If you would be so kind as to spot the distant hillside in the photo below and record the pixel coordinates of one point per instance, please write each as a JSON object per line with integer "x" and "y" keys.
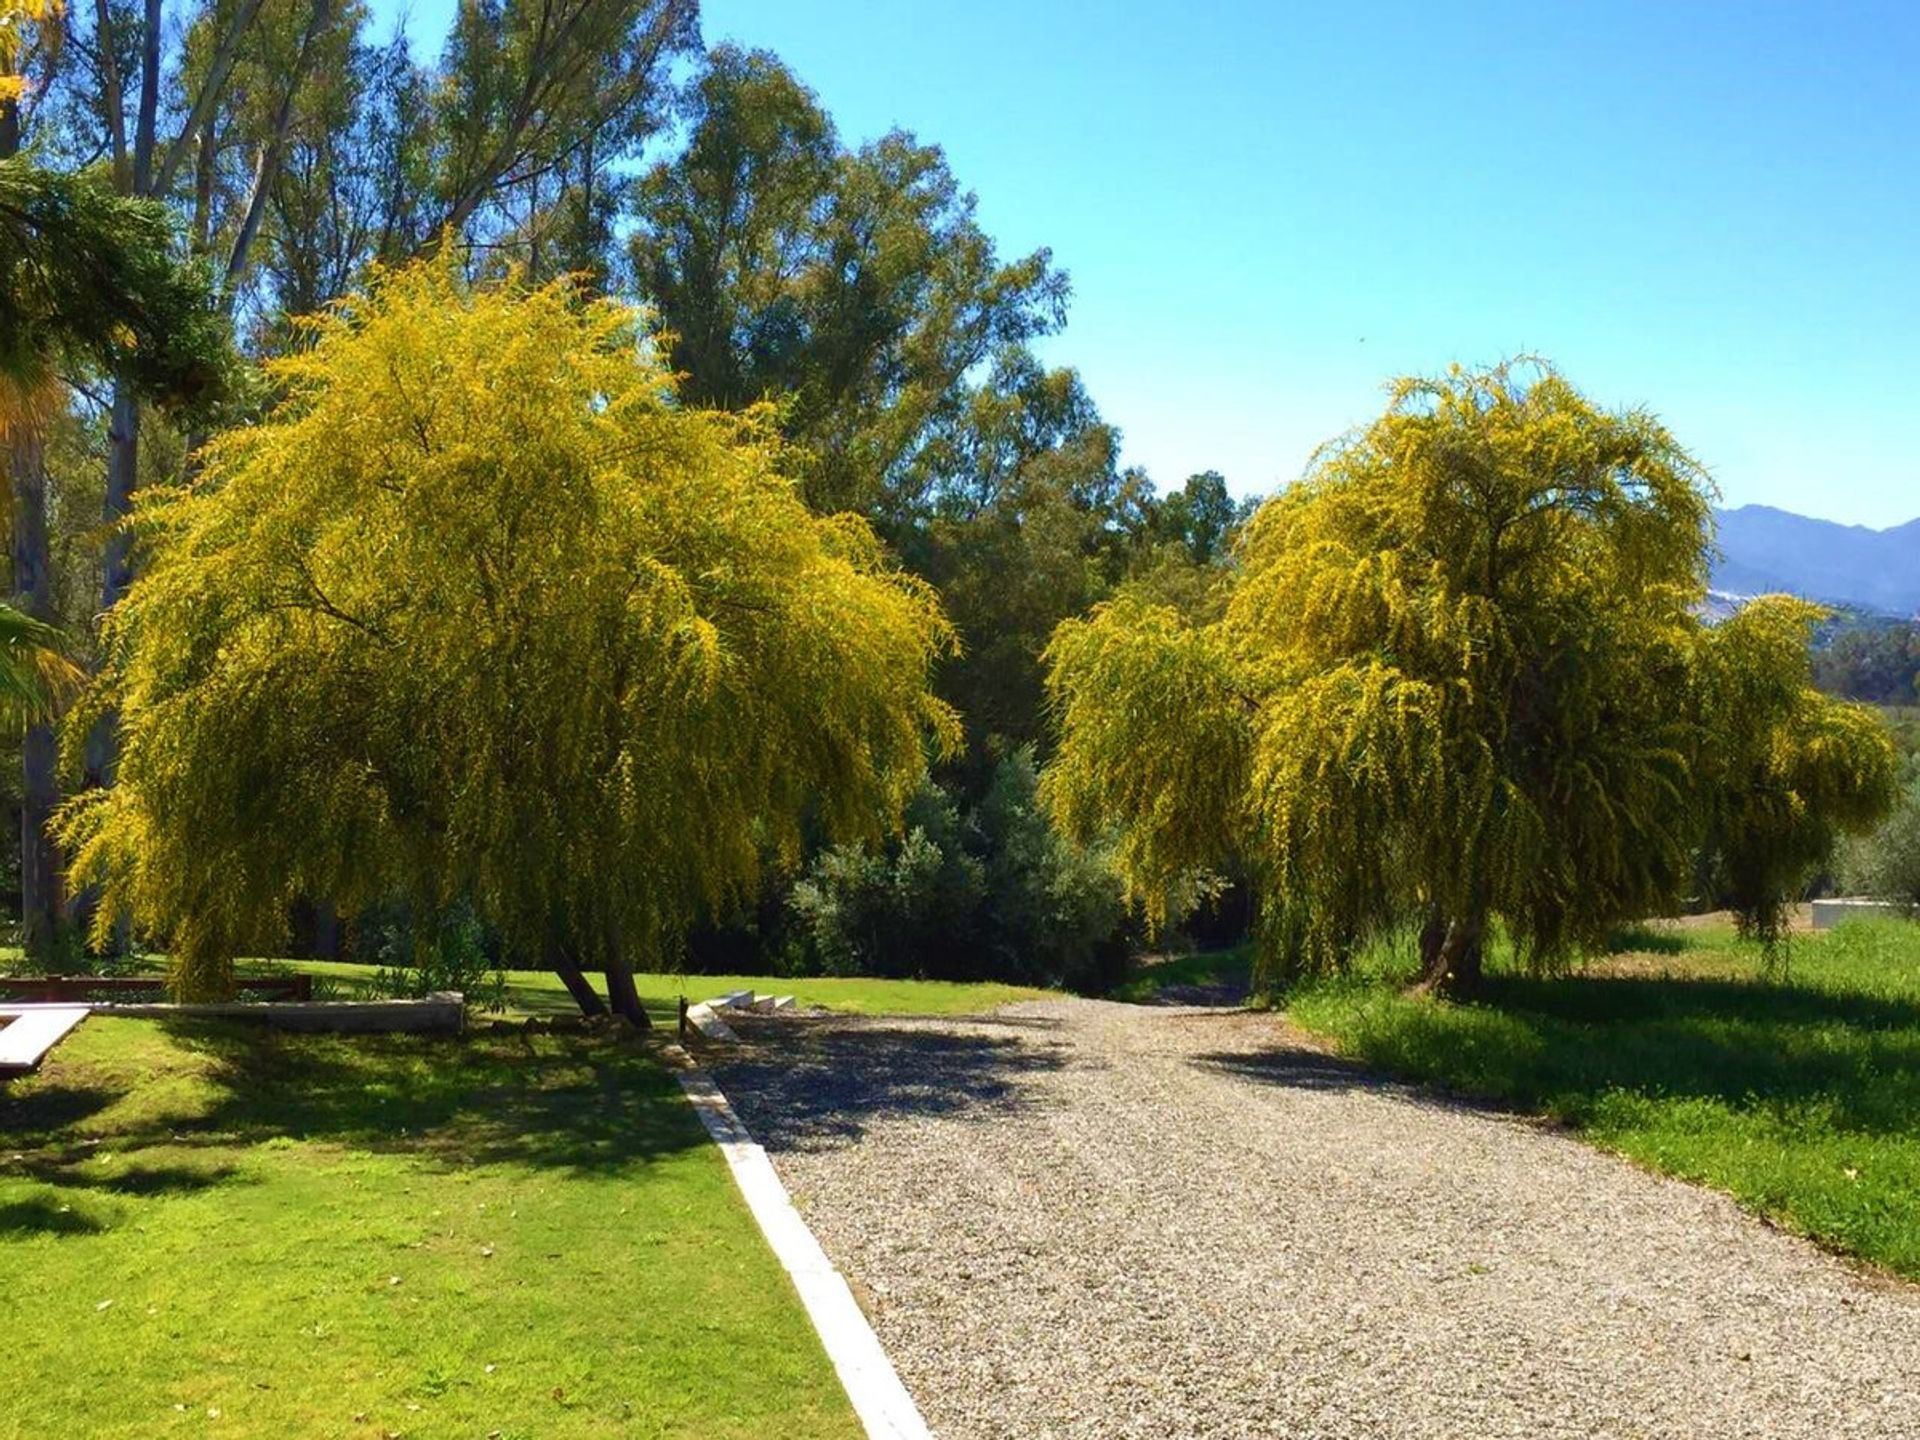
{"x": 1764, "y": 549}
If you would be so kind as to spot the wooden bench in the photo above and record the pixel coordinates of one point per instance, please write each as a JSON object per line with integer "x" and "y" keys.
{"x": 27, "y": 1034}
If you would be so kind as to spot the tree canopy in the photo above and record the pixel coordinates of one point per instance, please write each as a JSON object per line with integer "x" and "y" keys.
{"x": 479, "y": 613}
{"x": 1461, "y": 677}
{"x": 1787, "y": 771}
{"x": 88, "y": 282}
{"x": 1454, "y": 678}
{"x": 856, "y": 284}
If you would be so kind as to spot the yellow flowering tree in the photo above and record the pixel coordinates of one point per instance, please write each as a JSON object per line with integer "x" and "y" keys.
{"x": 23, "y": 24}
{"x": 480, "y": 613}
{"x": 1462, "y": 678}
{"x": 1785, "y": 771}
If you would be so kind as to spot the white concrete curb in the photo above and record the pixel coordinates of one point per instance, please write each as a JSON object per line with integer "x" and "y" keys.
{"x": 878, "y": 1397}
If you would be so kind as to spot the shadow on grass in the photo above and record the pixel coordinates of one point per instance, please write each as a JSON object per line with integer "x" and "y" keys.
{"x": 1607, "y": 1000}
{"x": 575, "y": 1102}
{"x": 583, "y": 1103}
{"x": 1650, "y": 940}
{"x": 67, "y": 1172}
{"x": 813, "y": 1085}
{"x": 41, "y": 1110}
{"x": 23, "y": 1218}
{"x": 1570, "y": 1043}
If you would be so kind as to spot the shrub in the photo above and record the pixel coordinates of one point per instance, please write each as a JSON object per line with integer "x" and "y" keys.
{"x": 446, "y": 951}
{"x": 1056, "y": 914}
{"x": 994, "y": 893}
{"x": 910, "y": 909}
{"x": 1886, "y": 863}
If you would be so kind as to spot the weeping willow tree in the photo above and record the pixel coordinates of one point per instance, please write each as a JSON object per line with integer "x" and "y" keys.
{"x": 1789, "y": 771}
{"x": 479, "y": 613}
{"x": 1461, "y": 678}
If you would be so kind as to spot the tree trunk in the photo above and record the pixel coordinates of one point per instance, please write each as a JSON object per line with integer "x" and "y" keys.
{"x": 266, "y": 171}
{"x": 619, "y": 970}
{"x": 563, "y": 964}
{"x": 326, "y": 930}
{"x": 123, "y": 477}
{"x": 1433, "y": 934}
{"x": 41, "y": 908}
{"x": 623, "y": 994}
{"x": 147, "y": 117}
{"x": 1450, "y": 958}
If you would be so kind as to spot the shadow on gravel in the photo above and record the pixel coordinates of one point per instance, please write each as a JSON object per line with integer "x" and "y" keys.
{"x": 807, "y": 1086}
{"x": 1300, "y": 1068}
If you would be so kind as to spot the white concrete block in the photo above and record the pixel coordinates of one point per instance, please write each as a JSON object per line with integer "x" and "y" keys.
{"x": 707, "y": 1020}
{"x": 1829, "y": 913}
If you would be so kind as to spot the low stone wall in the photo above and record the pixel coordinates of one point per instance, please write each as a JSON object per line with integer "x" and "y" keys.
{"x": 1829, "y": 913}
{"x": 443, "y": 1012}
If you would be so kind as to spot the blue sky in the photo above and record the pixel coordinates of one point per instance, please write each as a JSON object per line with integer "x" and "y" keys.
{"x": 1712, "y": 209}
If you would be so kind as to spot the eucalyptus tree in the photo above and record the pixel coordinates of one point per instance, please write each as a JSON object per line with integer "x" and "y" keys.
{"x": 1026, "y": 519}
{"x": 1461, "y": 677}
{"x": 481, "y": 613}
{"x": 529, "y": 88}
{"x": 855, "y": 285}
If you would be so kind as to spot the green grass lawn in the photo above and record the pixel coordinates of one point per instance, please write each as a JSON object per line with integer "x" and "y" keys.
{"x": 209, "y": 1230}
{"x": 1799, "y": 1094}
{"x": 539, "y": 992}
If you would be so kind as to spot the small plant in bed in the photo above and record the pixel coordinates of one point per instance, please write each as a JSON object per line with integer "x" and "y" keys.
{"x": 446, "y": 951}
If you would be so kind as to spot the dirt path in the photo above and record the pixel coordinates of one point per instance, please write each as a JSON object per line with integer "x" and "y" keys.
{"x": 1084, "y": 1219}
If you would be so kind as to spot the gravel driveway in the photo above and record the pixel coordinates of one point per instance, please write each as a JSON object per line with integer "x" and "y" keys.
{"x": 1074, "y": 1218}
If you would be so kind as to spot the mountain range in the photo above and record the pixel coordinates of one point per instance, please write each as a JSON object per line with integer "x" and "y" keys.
{"x": 1763, "y": 550}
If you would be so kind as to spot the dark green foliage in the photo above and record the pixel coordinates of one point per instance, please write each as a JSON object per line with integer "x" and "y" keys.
{"x": 1030, "y": 522}
{"x": 1056, "y": 914}
{"x": 855, "y": 286}
{"x": 994, "y": 893}
{"x": 1886, "y": 863}
{"x": 909, "y": 909}
{"x": 449, "y": 950}
{"x": 1875, "y": 660}
{"x": 1200, "y": 517}
{"x": 87, "y": 279}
